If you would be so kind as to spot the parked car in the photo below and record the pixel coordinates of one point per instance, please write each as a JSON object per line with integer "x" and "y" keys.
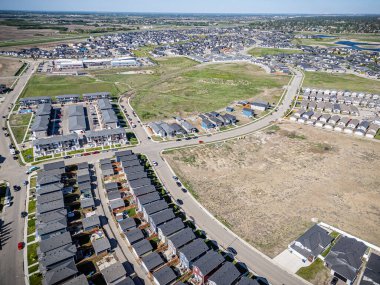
{"x": 96, "y": 152}
{"x": 232, "y": 250}
{"x": 33, "y": 168}
{"x": 175, "y": 177}
{"x": 334, "y": 281}
{"x": 179, "y": 201}
{"x": 178, "y": 184}
{"x": 155, "y": 163}
{"x": 67, "y": 156}
{"x": 178, "y": 140}
{"x": 184, "y": 190}
{"x": 200, "y": 141}
{"x": 16, "y": 187}
{"x": 24, "y": 214}
{"x": 86, "y": 154}
{"x": 20, "y": 245}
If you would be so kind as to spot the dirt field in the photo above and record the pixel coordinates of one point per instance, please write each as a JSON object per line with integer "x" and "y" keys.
{"x": 269, "y": 186}
{"x": 8, "y": 67}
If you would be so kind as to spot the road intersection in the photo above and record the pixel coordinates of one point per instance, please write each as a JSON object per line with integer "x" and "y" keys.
{"x": 252, "y": 258}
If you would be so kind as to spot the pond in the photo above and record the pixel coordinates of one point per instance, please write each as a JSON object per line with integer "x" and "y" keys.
{"x": 360, "y": 46}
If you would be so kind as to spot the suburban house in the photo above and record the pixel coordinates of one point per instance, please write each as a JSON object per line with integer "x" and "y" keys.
{"x": 345, "y": 259}
{"x": 170, "y": 228}
{"x": 114, "y": 273}
{"x": 164, "y": 276}
{"x": 67, "y": 98}
{"x": 141, "y": 248}
{"x": 46, "y": 146}
{"x": 61, "y": 273}
{"x": 91, "y": 223}
{"x": 207, "y": 124}
{"x": 154, "y": 207}
{"x": 226, "y": 274}
{"x": 260, "y": 105}
{"x": 40, "y": 126}
{"x": 157, "y": 129}
{"x": 76, "y": 119}
{"x": 152, "y": 261}
{"x": 248, "y": 112}
{"x": 29, "y": 101}
{"x": 147, "y": 199}
{"x": 312, "y": 243}
{"x": 362, "y": 128}
{"x": 106, "y": 137}
{"x": 101, "y": 245}
{"x": 160, "y": 218}
{"x": 371, "y": 274}
{"x": 192, "y": 251}
{"x": 180, "y": 239}
{"x": 89, "y": 97}
{"x": 54, "y": 242}
{"x": 108, "y": 116}
{"x": 133, "y": 236}
{"x": 207, "y": 265}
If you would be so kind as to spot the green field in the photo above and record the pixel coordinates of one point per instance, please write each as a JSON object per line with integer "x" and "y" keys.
{"x": 43, "y": 85}
{"x": 19, "y": 125}
{"x": 340, "y": 82}
{"x": 259, "y": 52}
{"x": 310, "y": 272}
{"x": 179, "y": 87}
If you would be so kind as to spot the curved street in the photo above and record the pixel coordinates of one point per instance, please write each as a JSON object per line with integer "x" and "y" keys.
{"x": 255, "y": 260}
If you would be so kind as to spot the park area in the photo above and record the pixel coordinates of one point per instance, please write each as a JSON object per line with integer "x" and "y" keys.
{"x": 260, "y": 52}
{"x": 269, "y": 186}
{"x": 324, "y": 80}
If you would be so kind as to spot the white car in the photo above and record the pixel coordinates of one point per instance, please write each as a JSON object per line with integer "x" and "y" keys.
{"x": 154, "y": 163}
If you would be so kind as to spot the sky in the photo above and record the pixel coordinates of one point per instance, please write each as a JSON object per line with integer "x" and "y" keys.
{"x": 200, "y": 6}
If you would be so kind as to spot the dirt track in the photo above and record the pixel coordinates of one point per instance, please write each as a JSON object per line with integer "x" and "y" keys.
{"x": 269, "y": 186}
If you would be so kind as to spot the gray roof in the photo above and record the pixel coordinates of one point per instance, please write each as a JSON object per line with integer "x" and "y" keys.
{"x": 68, "y": 96}
{"x": 111, "y": 186}
{"x": 194, "y": 249}
{"x": 75, "y": 110}
{"x": 123, "y": 153}
{"x": 136, "y": 176}
{"x": 171, "y": 227}
{"x": 148, "y": 198}
{"x": 113, "y": 272}
{"x": 248, "y": 281}
{"x": 51, "y": 227}
{"x": 225, "y": 275}
{"x": 55, "y": 242}
{"x": 52, "y": 206}
{"x": 57, "y": 255}
{"x": 142, "y": 247}
{"x": 144, "y": 190}
{"x": 97, "y": 94}
{"x": 51, "y": 179}
{"x": 155, "y": 207}
{"x": 87, "y": 202}
{"x": 37, "y": 98}
{"x": 77, "y": 123}
{"x": 117, "y": 203}
{"x": 112, "y": 195}
{"x": 209, "y": 262}
{"x": 134, "y": 235}
{"x": 79, "y": 280}
{"x": 139, "y": 183}
{"x": 83, "y": 178}
{"x": 165, "y": 275}
{"x": 54, "y": 165}
{"x": 109, "y": 116}
{"x": 51, "y": 216}
{"x": 59, "y": 273}
{"x": 41, "y": 123}
{"x": 56, "y": 139}
{"x": 134, "y": 169}
{"x": 182, "y": 237}
{"x": 125, "y": 281}
{"x": 127, "y": 224}
{"x": 91, "y": 221}
{"x": 83, "y": 165}
{"x": 128, "y": 157}
{"x": 43, "y": 109}
{"x": 371, "y": 275}
{"x": 101, "y": 244}
{"x": 152, "y": 261}
{"x": 105, "y": 132}
{"x": 314, "y": 241}
{"x": 105, "y": 161}
{"x": 345, "y": 257}
{"x": 84, "y": 186}
{"x": 104, "y": 104}
{"x": 162, "y": 217}
{"x": 130, "y": 163}
{"x": 42, "y": 199}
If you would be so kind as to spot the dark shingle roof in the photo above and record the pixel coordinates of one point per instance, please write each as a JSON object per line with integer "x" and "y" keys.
{"x": 225, "y": 275}
{"x": 182, "y": 237}
{"x": 91, "y": 221}
{"x": 113, "y": 272}
{"x": 79, "y": 280}
{"x": 101, "y": 244}
{"x": 152, "y": 260}
{"x": 59, "y": 273}
{"x": 134, "y": 235}
{"x": 209, "y": 262}
{"x": 194, "y": 249}
{"x": 171, "y": 227}
{"x": 127, "y": 224}
{"x": 155, "y": 206}
{"x": 142, "y": 247}
{"x": 165, "y": 275}
{"x": 55, "y": 242}
{"x": 371, "y": 274}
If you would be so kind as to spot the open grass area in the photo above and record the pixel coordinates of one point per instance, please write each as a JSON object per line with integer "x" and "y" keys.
{"x": 326, "y": 42}
{"x": 19, "y": 119}
{"x": 35, "y": 279}
{"x": 178, "y": 87}
{"x": 32, "y": 206}
{"x": 311, "y": 272}
{"x": 340, "y": 82}
{"x": 43, "y": 85}
{"x": 32, "y": 253}
{"x": 19, "y": 133}
{"x": 259, "y": 52}
{"x": 31, "y": 225}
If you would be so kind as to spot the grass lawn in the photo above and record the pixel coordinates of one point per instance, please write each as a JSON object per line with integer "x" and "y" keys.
{"x": 19, "y": 119}
{"x": 316, "y": 42}
{"x": 3, "y": 188}
{"x": 32, "y": 253}
{"x": 32, "y": 206}
{"x": 75, "y": 151}
{"x": 31, "y": 226}
{"x": 189, "y": 90}
{"x": 27, "y": 154}
{"x": 94, "y": 148}
{"x": 40, "y": 85}
{"x": 259, "y": 52}
{"x": 30, "y": 239}
{"x": 44, "y": 157}
{"x": 340, "y": 82}
{"x": 19, "y": 133}
{"x": 35, "y": 279}
{"x": 33, "y": 268}
{"x": 310, "y": 272}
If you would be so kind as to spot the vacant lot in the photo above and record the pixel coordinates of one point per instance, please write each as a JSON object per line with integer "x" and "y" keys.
{"x": 341, "y": 82}
{"x": 43, "y": 85}
{"x": 9, "y": 67}
{"x": 258, "y": 52}
{"x": 269, "y": 186}
{"x": 181, "y": 88}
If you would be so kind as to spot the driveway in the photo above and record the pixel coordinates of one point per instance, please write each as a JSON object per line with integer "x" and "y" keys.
{"x": 289, "y": 261}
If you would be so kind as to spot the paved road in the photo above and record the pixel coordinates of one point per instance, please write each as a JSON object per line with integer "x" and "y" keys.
{"x": 11, "y": 260}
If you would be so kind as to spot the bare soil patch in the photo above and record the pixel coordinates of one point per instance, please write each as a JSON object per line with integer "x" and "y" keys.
{"x": 9, "y": 67}
{"x": 269, "y": 186}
